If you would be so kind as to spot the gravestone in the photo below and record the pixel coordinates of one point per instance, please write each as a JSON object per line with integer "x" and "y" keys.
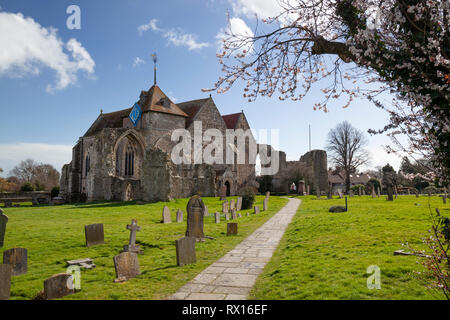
{"x": 58, "y": 286}
{"x": 3, "y": 222}
{"x": 232, "y": 228}
{"x": 330, "y": 193}
{"x": 206, "y": 213}
{"x": 268, "y": 194}
{"x": 233, "y": 214}
{"x": 359, "y": 191}
{"x": 195, "y": 209}
{"x": 256, "y": 209}
{"x": 185, "y": 248}
{"x": 227, "y": 216}
{"x": 373, "y": 193}
{"x": 94, "y": 234}
{"x": 340, "y": 194}
{"x": 379, "y": 192}
{"x": 85, "y": 263}
{"x": 351, "y": 193}
{"x": 266, "y": 204}
{"x": 248, "y": 214}
{"x": 217, "y": 217}
{"x": 225, "y": 207}
{"x": 409, "y": 191}
{"x": 444, "y": 198}
{"x": 239, "y": 204}
{"x": 223, "y": 193}
{"x": 5, "y": 281}
{"x": 132, "y": 247}
{"x": 232, "y": 204}
{"x": 363, "y": 191}
{"x": 166, "y": 215}
{"x": 126, "y": 265}
{"x": 17, "y": 259}
{"x": 390, "y": 196}
{"x": 179, "y": 215}
{"x": 308, "y": 190}
{"x": 239, "y": 215}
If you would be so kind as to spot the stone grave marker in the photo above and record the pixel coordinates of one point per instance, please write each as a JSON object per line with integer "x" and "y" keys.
{"x": 340, "y": 194}
{"x": 233, "y": 214}
{"x": 373, "y": 193}
{"x": 363, "y": 191}
{"x": 227, "y": 216}
{"x": 248, "y": 214}
{"x": 132, "y": 247}
{"x": 5, "y": 281}
{"x": 330, "y": 193}
{"x": 58, "y": 286}
{"x": 195, "y": 212}
{"x": 185, "y": 248}
{"x": 266, "y": 204}
{"x": 268, "y": 194}
{"x": 239, "y": 204}
{"x": 223, "y": 193}
{"x": 206, "y": 213}
{"x": 307, "y": 190}
{"x": 179, "y": 215}
{"x": 379, "y": 192}
{"x": 444, "y": 198}
{"x": 359, "y": 191}
{"x": 239, "y": 215}
{"x": 166, "y": 215}
{"x": 126, "y": 265}
{"x": 256, "y": 209}
{"x": 217, "y": 217}
{"x": 351, "y": 193}
{"x": 390, "y": 196}
{"x": 225, "y": 207}
{"x": 232, "y": 204}
{"x": 3, "y": 222}
{"x": 17, "y": 259}
{"x": 232, "y": 228}
{"x": 94, "y": 234}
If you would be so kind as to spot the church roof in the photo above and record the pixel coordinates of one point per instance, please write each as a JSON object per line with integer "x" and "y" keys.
{"x": 156, "y": 100}
{"x": 108, "y": 120}
{"x": 191, "y": 108}
{"x": 231, "y": 119}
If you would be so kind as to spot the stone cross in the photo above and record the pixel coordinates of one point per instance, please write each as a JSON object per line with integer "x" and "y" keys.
{"x": 58, "y": 286}
{"x": 126, "y": 265}
{"x": 225, "y": 207}
{"x": 166, "y": 215}
{"x": 132, "y": 247}
{"x": 3, "y": 222}
{"x": 195, "y": 212}
{"x": 17, "y": 258}
{"x": 185, "y": 249}
{"x": 5, "y": 281}
{"x": 256, "y": 209}
{"x": 217, "y": 217}
{"x": 266, "y": 204}
{"x": 94, "y": 234}
{"x": 239, "y": 204}
{"x": 232, "y": 228}
{"x": 179, "y": 215}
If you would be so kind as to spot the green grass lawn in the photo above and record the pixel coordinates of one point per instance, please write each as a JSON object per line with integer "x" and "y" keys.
{"x": 325, "y": 255}
{"x": 54, "y": 235}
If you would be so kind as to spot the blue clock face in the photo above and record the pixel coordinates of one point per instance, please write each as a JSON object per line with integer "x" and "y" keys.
{"x": 135, "y": 114}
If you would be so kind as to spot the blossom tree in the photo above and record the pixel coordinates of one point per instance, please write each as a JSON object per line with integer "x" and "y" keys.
{"x": 366, "y": 48}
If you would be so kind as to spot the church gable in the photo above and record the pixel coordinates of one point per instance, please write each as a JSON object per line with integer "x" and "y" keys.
{"x": 206, "y": 111}
{"x": 157, "y": 101}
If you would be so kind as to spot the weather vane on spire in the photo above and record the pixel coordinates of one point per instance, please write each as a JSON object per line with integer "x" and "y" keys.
{"x": 155, "y": 59}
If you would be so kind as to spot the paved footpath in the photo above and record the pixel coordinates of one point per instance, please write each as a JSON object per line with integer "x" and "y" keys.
{"x": 233, "y": 276}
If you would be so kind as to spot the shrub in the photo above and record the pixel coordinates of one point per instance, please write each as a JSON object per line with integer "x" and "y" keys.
{"x": 55, "y": 192}
{"x": 39, "y": 186}
{"x": 27, "y": 187}
{"x": 248, "y": 197}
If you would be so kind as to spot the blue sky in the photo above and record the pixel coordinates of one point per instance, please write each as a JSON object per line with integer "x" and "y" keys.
{"x": 50, "y": 95}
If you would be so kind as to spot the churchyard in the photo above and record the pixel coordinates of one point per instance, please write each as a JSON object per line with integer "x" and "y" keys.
{"x": 54, "y": 235}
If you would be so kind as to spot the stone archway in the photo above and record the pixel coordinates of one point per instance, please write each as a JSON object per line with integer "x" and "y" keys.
{"x": 228, "y": 188}
{"x": 128, "y": 193}
{"x": 129, "y": 154}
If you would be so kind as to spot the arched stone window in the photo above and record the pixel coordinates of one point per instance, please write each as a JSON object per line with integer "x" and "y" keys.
{"x": 128, "y": 157}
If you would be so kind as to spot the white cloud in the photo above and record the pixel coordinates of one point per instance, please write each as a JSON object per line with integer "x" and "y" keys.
{"x": 150, "y": 25}
{"x": 176, "y": 37}
{"x": 262, "y": 8}
{"x": 27, "y": 47}
{"x": 11, "y": 154}
{"x": 137, "y": 62}
{"x": 236, "y": 28}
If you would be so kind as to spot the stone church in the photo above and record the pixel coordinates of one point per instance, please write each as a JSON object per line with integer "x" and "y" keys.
{"x": 124, "y": 157}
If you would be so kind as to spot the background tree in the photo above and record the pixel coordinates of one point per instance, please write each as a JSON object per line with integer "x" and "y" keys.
{"x": 25, "y": 170}
{"x": 42, "y": 176}
{"x": 401, "y": 47}
{"x": 345, "y": 145}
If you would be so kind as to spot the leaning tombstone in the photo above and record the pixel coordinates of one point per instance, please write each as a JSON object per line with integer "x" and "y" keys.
{"x": 225, "y": 207}
{"x": 5, "y": 281}
{"x": 232, "y": 228}
{"x": 58, "y": 286}
{"x": 132, "y": 247}
{"x": 217, "y": 217}
{"x": 166, "y": 215}
{"x": 179, "y": 215}
{"x": 3, "y": 222}
{"x": 17, "y": 259}
{"x": 233, "y": 214}
{"x": 239, "y": 204}
{"x": 195, "y": 209}
{"x": 266, "y": 204}
{"x": 185, "y": 248}
{"x": 94, "y": 234}
{"x": 256, "y": 209}
{"x": 126, "y": 265}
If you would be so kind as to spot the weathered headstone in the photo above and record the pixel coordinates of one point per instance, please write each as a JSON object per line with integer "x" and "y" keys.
{"x": 233, "y": 214}
{"x": 248, "y": 214}
{"x": 225, "y": 207}
{"x": 132, "y": 247}
{"x": 363, "y": 191}
{"x": 239, "y": 215}
{"x": 390, "y": 196}
{"x": 266, "y": 204}
{"x": 195, "y": 209}
{"x": 3, "y": 222}
{"x": 217, "y": 217}
{"x": 373, "y": 193}
{"x": 408, "y": 191}
{"x": 5, "y": 281}
{"x": 256, "y": 209}
{"x": 239, "y": 204}
{"x": 126, "y": 265}
{"x": 227, "y": 216}
{"x": 17, "y": 259}
{"x": 223, "y": 193}
{"x": 58, "y": 286}
{"x": 166, "y": 215}
{"x": 232, "y": 204}
{"x": 94, "y": 234}
{"x": 301, "y": 188}
{"x": 179, "y": 215}
{"x": 185, "y": 248}
{"x": 268, "y": 194}
{"x": 379, "y": 192}
{"x": 395, "y": 192}
{"x": 232, "y": 228}
{"x": 206, "y": 213}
